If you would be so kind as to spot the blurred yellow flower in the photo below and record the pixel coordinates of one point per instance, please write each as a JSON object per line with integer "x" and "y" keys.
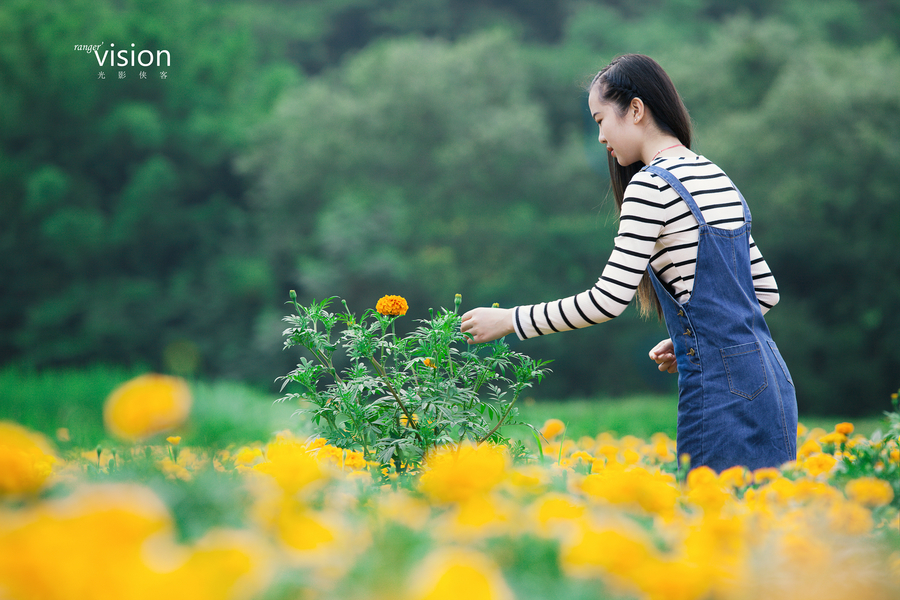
{"x": 554, "y": 507}
{"x": 818, "y": 464}
{"x": 808, "y": 447}
{"x": 870, "y": 491}
{"x": 247, "y": 457}
{"x": 552, "y": 428}
{"x": 429, "y": 363}
{"x": 700, "y": 476}
{"x": 457, "y": 474}
{"x": 844, "y": 428}
{"x": 174, "y": 439}
{"x": 766, "y": 474}
{"x": 291, "y": 464}
{"x": 26, "y": 459}
{"x": 451, "y": 574}
{"x": 654, "y": 493}
{"x": 392, "y": 306}
{"x": 617, "y": 549}
{"x": 147, "y": 405}
{"x": 850, "y": 518}
{"x": 835, "y": 437}
{"x": 111, "y": 542}
{"x": 736, "y": 477}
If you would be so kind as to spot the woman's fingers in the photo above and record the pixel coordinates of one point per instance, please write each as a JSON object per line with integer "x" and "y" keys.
{"x": 486, "y": 324}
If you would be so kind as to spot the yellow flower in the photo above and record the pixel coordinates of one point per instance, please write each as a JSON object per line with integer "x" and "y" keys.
{"x": 247, "y": 457}
{"x": 735, "y": 477}
{"x": 835, "y": 437}
{"x": 655, "y": 493}
{"x": 844, "y": 428}
{"x": 174, "y": 439}
{"x": 456, "y": 475}
{"x": 847, "y": 517}
{"x": 618, "y": 550}
{"x": 819, "y": 463}
{"x": 554, "y": 507}
{"x": 552, "y": 428}
{"x": 392, "y": 306}
{"x": 404, "y": 420}
{"x": 115, "y": 541}
{"x": 26, "y": 459}
{"x": 807, "y": 448}
{"x": 870, "y": 491}
{"x": 147, "y": 405}
{"x": 291, "y": 464}
{"x": 429, "y": 363}
{"x": 766, "y": 474}
{"x": 452, "y": 573}
{"x": 702, "y": 475}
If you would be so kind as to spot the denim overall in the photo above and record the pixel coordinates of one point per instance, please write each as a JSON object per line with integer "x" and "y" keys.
{"x": 736, "y": 401}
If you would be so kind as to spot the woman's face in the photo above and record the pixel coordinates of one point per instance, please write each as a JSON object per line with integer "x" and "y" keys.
{"x": 617, "y": 132}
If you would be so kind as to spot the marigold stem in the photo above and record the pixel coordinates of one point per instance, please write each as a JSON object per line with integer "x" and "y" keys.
{"x": 383, "y": 375}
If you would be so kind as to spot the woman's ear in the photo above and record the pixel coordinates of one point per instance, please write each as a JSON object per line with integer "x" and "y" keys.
{"x": 637, "y": 110}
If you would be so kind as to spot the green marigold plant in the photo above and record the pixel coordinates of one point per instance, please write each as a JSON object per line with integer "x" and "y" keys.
{"x": 396, "y": 397}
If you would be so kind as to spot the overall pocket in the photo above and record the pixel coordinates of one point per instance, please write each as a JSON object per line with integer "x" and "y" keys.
{"x": 781, "y": 362}
{"x": 745, "y": 369}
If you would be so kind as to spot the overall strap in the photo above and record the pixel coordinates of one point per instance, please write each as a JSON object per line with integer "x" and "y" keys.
{"x": 679, "y": 188}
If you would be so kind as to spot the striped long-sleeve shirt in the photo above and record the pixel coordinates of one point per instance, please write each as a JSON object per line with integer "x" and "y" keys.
{"x": 655, "y": 227}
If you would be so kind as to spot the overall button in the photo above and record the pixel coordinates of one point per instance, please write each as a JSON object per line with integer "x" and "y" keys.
{"x": 690, "y": 352}
{"x": 680, "y": 313}
{"x": 687, "y": 332}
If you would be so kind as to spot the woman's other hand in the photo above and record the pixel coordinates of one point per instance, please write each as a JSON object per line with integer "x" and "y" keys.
{"x": 487, "y": 324}
{"x": 664, "y": 355}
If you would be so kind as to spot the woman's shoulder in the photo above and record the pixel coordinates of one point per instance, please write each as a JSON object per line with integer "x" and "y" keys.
{"x": 682, "y": 167}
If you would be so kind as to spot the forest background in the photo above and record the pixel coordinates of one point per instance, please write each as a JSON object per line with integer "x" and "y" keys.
{"x": 157, "y": 215}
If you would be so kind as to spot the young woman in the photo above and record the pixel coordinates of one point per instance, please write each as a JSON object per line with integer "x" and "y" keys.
{"x": 684, "y": 247}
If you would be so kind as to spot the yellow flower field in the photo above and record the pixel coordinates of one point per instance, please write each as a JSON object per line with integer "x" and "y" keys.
{"x": 598, "y": 517}
{"x": 606, "y": 518}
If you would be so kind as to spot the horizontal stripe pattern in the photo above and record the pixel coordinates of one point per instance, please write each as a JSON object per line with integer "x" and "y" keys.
{"x": 655, "y": 227}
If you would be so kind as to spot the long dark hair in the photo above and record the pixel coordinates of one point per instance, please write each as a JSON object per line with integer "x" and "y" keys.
{"x": 633, "y": 76}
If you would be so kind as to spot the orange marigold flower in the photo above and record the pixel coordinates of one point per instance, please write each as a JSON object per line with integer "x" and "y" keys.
{"x": 392, "y": 306}
{"x": 147, "y": 405}
{"x": 429, "y": 363}
{"x": 844, "y": 428}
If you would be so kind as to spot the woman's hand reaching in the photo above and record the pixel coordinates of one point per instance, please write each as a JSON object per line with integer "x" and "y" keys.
{"x": 487, "y": 324}
{"x": 664, "y": 355}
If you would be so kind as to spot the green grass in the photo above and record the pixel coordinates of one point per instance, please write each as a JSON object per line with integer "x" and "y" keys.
{"x": 226, "y": 412}
{"x": 222, "y": 412}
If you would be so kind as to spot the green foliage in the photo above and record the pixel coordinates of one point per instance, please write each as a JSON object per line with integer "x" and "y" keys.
{"x": 399, "y": 397}
{"x": 341, "y": 146}
{"x": 223, "y": 412}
